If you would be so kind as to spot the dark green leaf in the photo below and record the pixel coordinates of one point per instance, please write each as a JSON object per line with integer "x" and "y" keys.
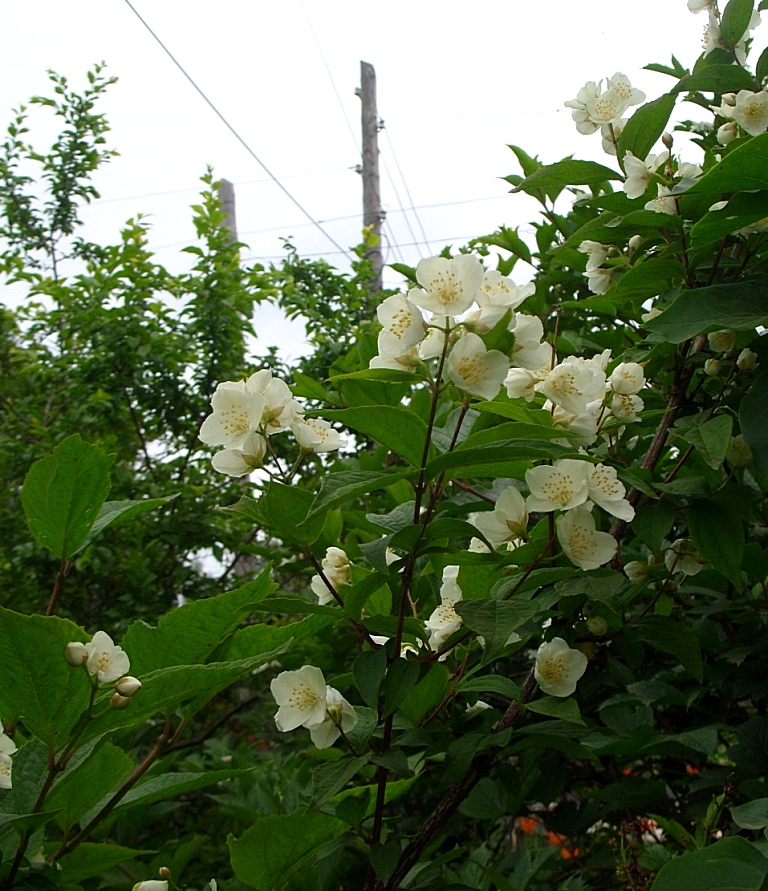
{"x": 719, "y": 534}
{"x": 753, "y": 418}
{"x": 368, "y": 670}
{"x": 646, "y": 279}
{"x": 338, "y": 488}
{"x": 118, "y": 511}
{"x": 493, "y": 460}
{"x": 283, "y": 511}
{"x": 731, "y": 864}
{"x": 427, "y": 694}
{"x": 63, "y": 494}
{"x": 735, "y": 20}
{"x": 566, "y": 709}
{"x": 93, "y": 859}
{"x": 399, "y": 429}
{"x": 329, "y": 779}
{"x": 709, "y": 435}
{"x": 669, "y": 636}
{"x": 717, "y": 79}
{"x": 401, "y": 676}
{"x": 492, "y": 683}
{"x": 742, "y": 209}
{"x": 753, "y": 815}
{"x": 761, "y": 68}
{"x": 653, "y": 522}
{"x": 553, "y": 178}
{"x": 495, "y": 620}
{"x": 741, "y": 306}
{"x": 646, "y": 125}
{"x": 741, "y": 170}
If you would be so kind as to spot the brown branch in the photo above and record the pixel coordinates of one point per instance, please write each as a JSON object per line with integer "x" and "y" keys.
{"x": 57, "y": 586}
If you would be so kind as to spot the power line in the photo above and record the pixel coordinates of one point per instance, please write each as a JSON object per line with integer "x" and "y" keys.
{"x": 236, "y": 134}
{"x": 407, "y": 190}
{"x": 444, "y": 239}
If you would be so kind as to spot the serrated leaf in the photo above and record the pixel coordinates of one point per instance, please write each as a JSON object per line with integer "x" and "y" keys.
{"x": 329, "y": 779}
{"x": 731, "y": 864}
{"x": 553, "y": 178}
{"x": 93, "y": 859}
{"x": 717, "y": 79}
{"x": 119, "y": 511}
{"x": 338, "y": 488}
{"x": 565, "y": 709}
{"x": 742, "y": 306}
{"x": 63, "y": 494}
{"x": 401, "y": 676}
{"x": 646, "y": 279}
{"x": 669, "y": 636}
{"x": 710, "y": 436}
{"x": 428, "y": 693}
{"x": 646, "y": 125}
{"x": 753, "y": 815}
{"x": 719, "y": 534}
{"x": 398, "y": 429}
{"x": 283, "y": 511}
{"x": 492, "y": 683}
{"x": 495, "y": 620}
{"x": 368, "y": 671}
{"x": 753, "y": 419}
{"x": 741, "y": 170}
{"x": 735, "y": 21}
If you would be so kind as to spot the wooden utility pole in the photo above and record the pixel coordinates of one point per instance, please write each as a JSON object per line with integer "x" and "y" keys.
{"x": 373, "y": 215}
{"x": 227, "y": 199}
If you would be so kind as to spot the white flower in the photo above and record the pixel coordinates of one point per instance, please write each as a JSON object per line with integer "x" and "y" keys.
{"x": 560, "y": 486}
{"x": 599, "y": 281}
{"x": 317, "y": 435}
{"x": 449, "y": 287}
{"x": 153, "y": 885}
{"x": 339, "y": 715}
{"x": 390, "y": 356}
{"x": 444, "y": 620}
{"x": 506, "y": 522}
{"x": 237, "y": 412}
{"x": 76, "y": 653}
{"x": 337, "y": 570}
{"x": 746, "y": 360}
{"x": 239, "y": 462}
{"x": 529, "y": 352}
{"x": 558, "y": 667}
{"x": 626, "y": 407}
{"x": 520, "y": 383}
{"x": 582, "y": 544}
{"x": 725, "y": 110}
{"x": 301, "y": 696}
{"x": 583, "y": 426}
{"x": 438, "y": 331}
{"x": 475, "y": 369}
{"x": 699, "y": 5}
{"x": 627, "y": 378}
{"x": 593, "y": 109}
{"x": 738, "y": 453}
{"x": 713, "y": 367}
{"x": 751, "y": 111}
{"x": 106, "y": 661}
{"x": 7, "y": 748}
{"x": 639, "y": 172}
{"x": 610, "y": 139}
{"x": 620, "y": 83}
{"x": 607, "y": 491}
{"x": 637, "y": 570}
{"x": 682, "y": 556}
{"x": 403, "y": 324}
{"x": 574, "y": 383}
{"x": 280, "y": 407}
{"x": 596, "y": 253}
{"x": 722, "y": 341}
{"x": 664, "y": 202}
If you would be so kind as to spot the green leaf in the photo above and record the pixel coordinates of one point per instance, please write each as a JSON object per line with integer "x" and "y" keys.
{"x": 283, "y": 511}
{"x": 718, "y": 79}
{"x": 553, "y": 178}
{"x": 669, "y": 636}
{"x": 39, "y": 687}
{"x": 742, "y": 170}
{"x": 645, "y": 126}
{"x": 114, "y": 511}
{"x": 190, "y": 633}
{"x": 719, "y": 534}
{"x": 398, "y": 429}
{"x": 761, "y": 68}
{"x": 428, "y": 693}
{"x": 368, "y": 671}
{"x": 646, "y": 279}
{"x": 709, "y": 435}
{"x": 735, "y": 21}
{"x": 653, "y": 522}
{"x": 255, "y": 639}
{"x": 84, "y": 784}
{"x": 753, "y": 419}
{"x": 566, "y": 709}
{"x": 495, "y": 620}
{"x": 330, "y": 779}
{"x": 273, "y": 848}
{"x": 741, "y": 306}
{"x": 499, "y": 460}
{"x": 338, "y": 488}
{"x": 492, "y": 683}
{"x": 753, "y": 815}
{"x": 93, "y": 859}
{"x": 63, "y": 494}
{"x": 401, "y": 676}
{"x": 731, "y": 864}
{"x": 742, "y": 209}
{"x": 527, "y": 164}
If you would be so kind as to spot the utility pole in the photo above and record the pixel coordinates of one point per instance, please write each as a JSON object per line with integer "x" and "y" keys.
{"x": 227, "y": 199}
{"x": 373, "y": 215}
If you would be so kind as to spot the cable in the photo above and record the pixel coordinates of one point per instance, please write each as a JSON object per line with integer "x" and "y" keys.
{"x": 407, "y": 190}
{"x": 330, "y": 76}
{"x": 445, "y": 240}
{"x": 237, "y": 135}
{"x": 400, "y": 202}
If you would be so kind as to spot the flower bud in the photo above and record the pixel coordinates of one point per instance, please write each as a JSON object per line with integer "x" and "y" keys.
{"x": 667, "y": 140}
{"x": 164, "y": 872}
{"x": 635, "y": 242}
{"x": 637, "y": 571}
{"x": 597, "y": 625}
{"x": 119, "y": 702}
{"x": 127, "y": 686}
{"x": 722, "y": 341}
{"x": 712, "y": 367}
{"x": 727, "y": 133}
{"x": 746, "y": 360}
{"x": 76, "y": 653}
{"x": 738, "y": 453}
{"x": 152, "y": 885}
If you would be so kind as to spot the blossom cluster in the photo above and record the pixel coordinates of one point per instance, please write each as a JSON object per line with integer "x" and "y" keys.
{"x": 247, "y": 412}
{"x": 106, "y": 663}
{"x": 305, "y": 700}
{"x": 435, "y": 319}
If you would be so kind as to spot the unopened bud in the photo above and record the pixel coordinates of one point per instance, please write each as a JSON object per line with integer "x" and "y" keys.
{"x": 738, "y": 453}
{"x": 127, "y": 686}
{"x": 712, "y": 367}
{"x": 746, "y": 360}
{"x": 76, "y": 653}
{"x": 164, "y": 872}
{"x": 119, "y": 702}
{"x": 727, "y": 133}
{"x": 635, "y": 242}
{"x": 597, "y": 625}
{"x": 668, "y": 141}
{"x": 636, "y": 570}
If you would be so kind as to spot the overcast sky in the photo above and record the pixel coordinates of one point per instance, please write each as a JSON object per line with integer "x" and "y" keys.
{"x": 456, "y": 83}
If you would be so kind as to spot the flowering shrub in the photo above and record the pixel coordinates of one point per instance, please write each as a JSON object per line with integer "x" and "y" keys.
{"x": 518, "y": 564}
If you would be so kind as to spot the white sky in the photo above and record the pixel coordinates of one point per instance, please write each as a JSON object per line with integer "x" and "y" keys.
{"x": 456, "y": 83}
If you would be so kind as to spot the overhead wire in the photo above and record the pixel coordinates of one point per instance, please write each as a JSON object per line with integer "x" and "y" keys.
{"x": 237, "y": 135}
{"x": 407, "y": 190}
